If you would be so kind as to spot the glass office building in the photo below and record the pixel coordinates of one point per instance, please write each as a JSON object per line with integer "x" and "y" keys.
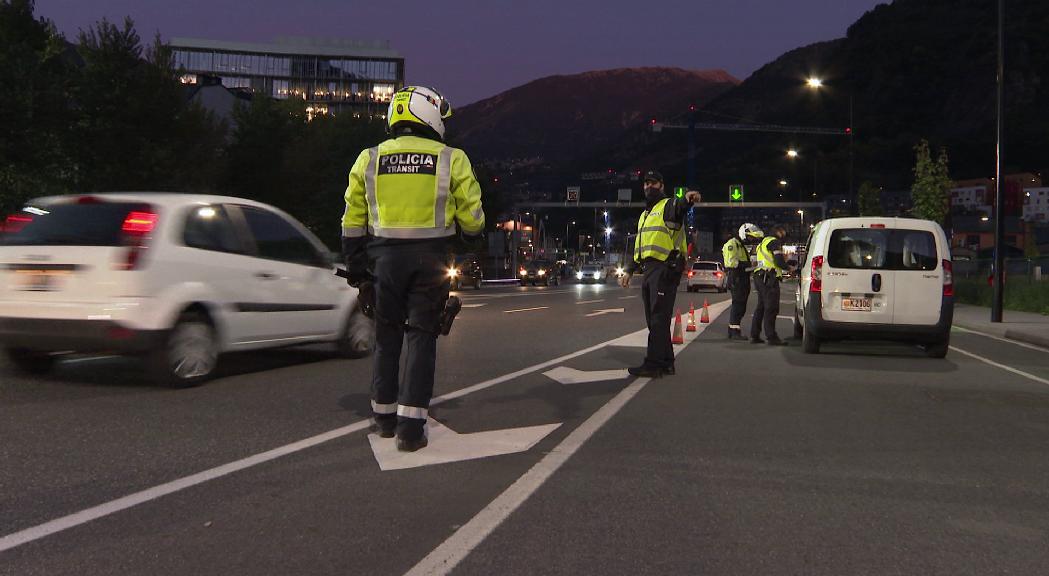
{"x": 331, "y": 76}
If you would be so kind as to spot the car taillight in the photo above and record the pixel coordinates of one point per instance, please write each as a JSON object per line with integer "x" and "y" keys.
{"x": 719, "y": 274}
{"x": 15, "y": 223}
{"x": 816, "y": 283}
{"x": 137, "y": 227}
{"x": 948, "y": 278}
{"x": 691, "y": 273}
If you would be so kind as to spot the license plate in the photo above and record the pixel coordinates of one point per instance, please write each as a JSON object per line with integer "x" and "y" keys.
{"x": 39, "y": 280}
{"x": 856, "y": 304}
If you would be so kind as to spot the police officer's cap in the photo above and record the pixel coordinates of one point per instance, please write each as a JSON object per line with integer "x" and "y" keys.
{"x": 653, "y": 176}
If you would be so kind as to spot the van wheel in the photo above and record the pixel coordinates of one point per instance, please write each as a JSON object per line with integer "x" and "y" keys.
{"x": 938, "y": 350}
{"x": 188, "y": 355}
{"x": 799, "y": 329}
{"x": 355, "y": 340}
{"x": 809, "y": 343}
{"x": 31, "y": 361}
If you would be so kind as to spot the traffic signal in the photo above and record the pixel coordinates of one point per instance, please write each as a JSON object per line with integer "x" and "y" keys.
{"x": 735, "y": 193}
{"x": 679, "y": 192}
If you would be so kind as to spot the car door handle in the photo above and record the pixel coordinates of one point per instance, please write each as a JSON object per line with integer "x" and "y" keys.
{"x": 265, "y": 275}
{"x": 876, "y": 282}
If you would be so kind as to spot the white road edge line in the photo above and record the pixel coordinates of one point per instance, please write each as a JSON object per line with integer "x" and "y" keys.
{"x": 525, "y": 309}
{"x": 1002, "y": 366}
{"x": 1000, "y": 339}
{"x": 589, "y": 302}
{"x": 443, "y": 559}
{"x": 39, "y": 531}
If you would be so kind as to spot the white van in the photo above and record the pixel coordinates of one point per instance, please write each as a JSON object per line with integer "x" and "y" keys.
{"x": 876, "y": 278}
{"x": 176, "y": 278}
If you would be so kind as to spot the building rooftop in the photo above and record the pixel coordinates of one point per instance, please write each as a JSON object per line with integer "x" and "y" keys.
{"x": 297, "y": 46}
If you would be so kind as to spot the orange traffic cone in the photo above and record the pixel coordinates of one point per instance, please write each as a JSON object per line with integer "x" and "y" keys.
{"x": 705, "y": 318}
{"x": 691, "y": 318}
{"x": 678, "y": 337}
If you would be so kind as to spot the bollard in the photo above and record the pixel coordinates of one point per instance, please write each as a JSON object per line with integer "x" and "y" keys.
{"x": 1037, "y": 273}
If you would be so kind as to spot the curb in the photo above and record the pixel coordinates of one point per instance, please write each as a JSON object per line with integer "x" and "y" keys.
{"x": 1008, "y": 334}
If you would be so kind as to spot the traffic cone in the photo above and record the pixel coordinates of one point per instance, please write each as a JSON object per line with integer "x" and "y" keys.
{"x": 705, "y": 318}
{"x": 678, "y": 337}
{"x": 691, "y": 318}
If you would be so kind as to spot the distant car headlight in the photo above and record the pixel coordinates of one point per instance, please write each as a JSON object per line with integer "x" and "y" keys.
{"x": 597, "y": 275}
{"x": 524, "y": 272}
{"x": 579, "y": 275}
{"x": 453, "y": 272}
{"x": 620, "y": 271}
{"x": 542, "y": 272}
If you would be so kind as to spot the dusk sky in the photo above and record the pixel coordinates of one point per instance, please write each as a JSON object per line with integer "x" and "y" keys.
{"x": 473, "y": 50}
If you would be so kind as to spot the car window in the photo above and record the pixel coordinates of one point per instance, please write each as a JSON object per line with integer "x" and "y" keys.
{"x": 277, "y": 239}
{"x": 705, "y": 266}
{"x": 92, "y": 223}
{"x": 882, "y": 249}
{"x": 209, "y": 228}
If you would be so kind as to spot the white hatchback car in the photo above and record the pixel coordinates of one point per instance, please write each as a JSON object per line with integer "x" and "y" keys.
{"x": 876, "y": 278}
{"x": 706, "y": 275}
{"x": 177, "y": 278}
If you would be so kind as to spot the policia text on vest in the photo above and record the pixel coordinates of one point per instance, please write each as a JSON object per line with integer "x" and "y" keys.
{"x": 660, "y": 250}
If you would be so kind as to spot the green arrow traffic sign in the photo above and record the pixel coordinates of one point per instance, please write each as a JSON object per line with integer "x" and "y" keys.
{"x": 735, "y": 193}
{"x": 679, "y": 191}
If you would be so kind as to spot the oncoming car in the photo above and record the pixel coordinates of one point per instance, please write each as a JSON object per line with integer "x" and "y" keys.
{"x": 177, "y": 279}
{"x": 876, "y": 278}
{"x": 540, "y": 272}
{"x": 465, "y": 271}
{"x": 591, "y": 274}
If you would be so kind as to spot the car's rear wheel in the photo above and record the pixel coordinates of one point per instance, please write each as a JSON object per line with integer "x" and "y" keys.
{"x": 799, "y": 328}
{"x": 31, "y": 361}
{"x": 939, "y": 349}
{"x": 809, "y": 342}
{"x": 355, "y": 340}
{"x": 188, "y": 355}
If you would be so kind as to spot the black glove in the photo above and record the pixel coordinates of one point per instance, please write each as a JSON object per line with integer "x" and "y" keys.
{"x": 366, "y": 298}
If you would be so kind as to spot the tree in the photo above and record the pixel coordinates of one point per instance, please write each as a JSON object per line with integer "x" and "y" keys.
{"x": 34, "y": 112}
{"x": 932, "y": 184}
{"x": 869, "y": 199}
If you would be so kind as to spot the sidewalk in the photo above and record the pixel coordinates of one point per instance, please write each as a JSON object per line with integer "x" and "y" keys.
{"x": 1020, "y": 326}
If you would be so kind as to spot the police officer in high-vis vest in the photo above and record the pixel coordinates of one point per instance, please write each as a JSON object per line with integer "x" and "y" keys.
{"x": 406, "y": 198}
{"x": 659, "y": 252}
{"x": 737, "y": 264}
{"x": 767, "y": 275}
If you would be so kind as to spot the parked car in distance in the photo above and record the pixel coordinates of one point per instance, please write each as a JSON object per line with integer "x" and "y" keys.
{"x": 465, "y": 270}
{"x": 706, "y": 274}
{"x": 177, "y": 279}
{"x": 876, "y": 278}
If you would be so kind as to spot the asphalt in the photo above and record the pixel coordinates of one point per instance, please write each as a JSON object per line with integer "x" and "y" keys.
{"x": 867, "y": 459}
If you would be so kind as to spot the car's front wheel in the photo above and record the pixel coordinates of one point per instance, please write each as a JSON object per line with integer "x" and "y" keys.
{"x": 189, "y": 354}
{"x": 31, "y": 361}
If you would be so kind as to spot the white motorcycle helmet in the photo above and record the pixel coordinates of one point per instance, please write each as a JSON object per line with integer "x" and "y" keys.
{"x": 418, "y": 105}
{"x": 749, "y": 230}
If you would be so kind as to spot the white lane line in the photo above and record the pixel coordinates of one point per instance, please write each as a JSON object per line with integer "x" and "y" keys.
{"x": 627, "y": 297}
{"x": 1002, "y": 366}
{"x": 516, "y": 294}
{"x": 88, "y": 359}
{"x": 452, "y": 551}
{"x": 87, "y": 515}
{"x": 589, "y": 301}
{"x": 1000, "y": 339}
{"x": 475, "y": 305}
{"x": 525, "y": 309}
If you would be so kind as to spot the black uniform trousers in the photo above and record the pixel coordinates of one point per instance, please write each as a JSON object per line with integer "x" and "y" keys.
{"x": 767, "y": 285}
{"x": 411, "y": 288}
{"x": 658, "y": 292}
{"x": 739, "y": 284}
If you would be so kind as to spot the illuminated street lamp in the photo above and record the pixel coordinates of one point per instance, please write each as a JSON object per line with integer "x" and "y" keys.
{"x": 783, "y": 183}
{"x": 815, "y": 83}
{"x": 792, "y": 153}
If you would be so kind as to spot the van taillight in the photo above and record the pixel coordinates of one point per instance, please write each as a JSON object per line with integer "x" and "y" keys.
{"x": 14, "y": 223}
{"x": 948, "y": 278}
{"x": 136, "y": 227}
{"x": 816, "y": 283}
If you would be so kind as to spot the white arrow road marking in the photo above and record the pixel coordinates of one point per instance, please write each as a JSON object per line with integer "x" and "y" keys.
{"x": 446, "y": 445}
{"x": 525, "y": 309}
{"x": 566, "y": 375}
{"x": 475, "y": 305}
{"x": 605, "y": 311}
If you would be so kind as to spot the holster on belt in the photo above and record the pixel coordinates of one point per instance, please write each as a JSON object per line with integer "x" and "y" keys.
{"x": 452, "y": 307}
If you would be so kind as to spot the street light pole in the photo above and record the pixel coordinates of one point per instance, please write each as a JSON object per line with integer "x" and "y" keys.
{"x": 999, "y": 208}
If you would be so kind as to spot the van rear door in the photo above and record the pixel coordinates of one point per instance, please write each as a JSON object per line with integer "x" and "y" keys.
{"x": 919, "y": 279}
{"x": 858, "y": 275}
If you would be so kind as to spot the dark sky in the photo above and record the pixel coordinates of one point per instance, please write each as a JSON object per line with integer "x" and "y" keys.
{"x": 472, "y": 49}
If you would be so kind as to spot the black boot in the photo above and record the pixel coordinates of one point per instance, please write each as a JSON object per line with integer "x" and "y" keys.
{"x": 411, "y": 445}
{"x": 775, "y": 341}
{"x": 645, "y": 371}
{"x": 756, "y": 340}
{"x": 735, "y": 334}
{"x": 384, "y": 426}
{"x": 669, "y": 370}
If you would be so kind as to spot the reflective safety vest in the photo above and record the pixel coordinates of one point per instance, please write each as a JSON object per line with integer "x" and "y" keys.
{"x": 657, "y": 238}
{"x": 734, "y": 253}
{"x": 766, "y": 259}
{"x": 412, "y": 187}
